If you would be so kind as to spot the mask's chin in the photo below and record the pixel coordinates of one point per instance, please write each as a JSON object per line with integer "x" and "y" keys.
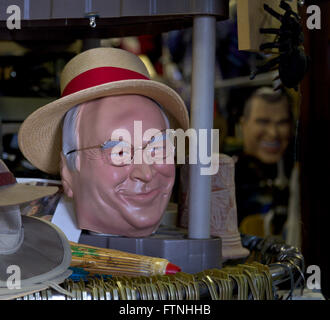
{"x": 269, "y": 158}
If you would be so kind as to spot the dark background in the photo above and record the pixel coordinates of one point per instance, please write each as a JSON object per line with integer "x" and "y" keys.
{"x": 314, "y": 147}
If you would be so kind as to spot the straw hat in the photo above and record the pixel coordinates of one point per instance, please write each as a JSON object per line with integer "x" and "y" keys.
{"x": 90, "y": 75}
{"x": 37, "y": 247}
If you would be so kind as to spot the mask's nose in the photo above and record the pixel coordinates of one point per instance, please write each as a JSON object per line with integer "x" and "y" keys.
{"x": 143, "y": 172}
{"x": 272, "y": 130}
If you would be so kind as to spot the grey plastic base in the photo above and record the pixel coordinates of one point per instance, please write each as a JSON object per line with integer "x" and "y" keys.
{"x": 191, "y": 255}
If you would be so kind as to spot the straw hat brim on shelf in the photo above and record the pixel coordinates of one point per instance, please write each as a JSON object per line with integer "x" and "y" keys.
{"x": 20, "y": 193}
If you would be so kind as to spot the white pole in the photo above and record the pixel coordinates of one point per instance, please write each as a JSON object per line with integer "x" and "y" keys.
{"x": 202, "y": 101}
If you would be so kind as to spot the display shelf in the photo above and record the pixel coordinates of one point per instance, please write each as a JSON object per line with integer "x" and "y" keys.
{"x": 48, "y": 20}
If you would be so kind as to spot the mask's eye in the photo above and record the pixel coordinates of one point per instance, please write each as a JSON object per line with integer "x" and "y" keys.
{"x": 263, "y": 121}
{"x": 117, "y": 152}
{"x": 120, "y": 152}
{"x": 158, "y": 151}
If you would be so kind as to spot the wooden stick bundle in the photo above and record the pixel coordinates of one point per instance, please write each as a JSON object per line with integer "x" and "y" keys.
{"x": 115, "y": 262}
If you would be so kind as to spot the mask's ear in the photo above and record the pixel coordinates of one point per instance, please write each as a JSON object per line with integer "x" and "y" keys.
{"x": 67, "y": 177}
{"x": 241, "y": 127}
{"x": 242, "y": 121}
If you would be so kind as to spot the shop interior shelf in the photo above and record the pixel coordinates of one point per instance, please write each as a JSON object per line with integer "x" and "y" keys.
{"x": 46, "y": 19}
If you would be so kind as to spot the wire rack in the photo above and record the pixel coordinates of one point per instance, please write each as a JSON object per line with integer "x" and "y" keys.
{"x": 271, "y": 264}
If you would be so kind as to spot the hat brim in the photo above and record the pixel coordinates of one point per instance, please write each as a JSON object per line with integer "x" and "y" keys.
{"x": 19, "y": 193}
{"x": 44, "y": 254}
{"x": 40, "y": 135}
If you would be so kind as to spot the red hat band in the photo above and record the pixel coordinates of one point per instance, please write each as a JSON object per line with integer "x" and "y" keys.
{"x": 98, "y": 76}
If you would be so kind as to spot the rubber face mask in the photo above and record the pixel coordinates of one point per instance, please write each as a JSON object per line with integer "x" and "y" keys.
{"x": 109, "y": 197}
{"x": 267, "y": 130}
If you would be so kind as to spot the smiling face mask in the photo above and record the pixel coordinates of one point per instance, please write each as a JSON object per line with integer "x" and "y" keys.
{"x": 266, "y": 130}
{"x": 124, "y": 200}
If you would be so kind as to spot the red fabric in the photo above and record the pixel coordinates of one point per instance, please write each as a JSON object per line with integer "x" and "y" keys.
{"x": 98, "y": 76}
{"x": 6, "y": 178}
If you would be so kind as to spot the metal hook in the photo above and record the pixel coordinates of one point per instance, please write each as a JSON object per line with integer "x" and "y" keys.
{"x": 92, "y": 21}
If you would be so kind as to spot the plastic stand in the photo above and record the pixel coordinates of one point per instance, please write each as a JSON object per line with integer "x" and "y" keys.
{"x": 191, "y": 255}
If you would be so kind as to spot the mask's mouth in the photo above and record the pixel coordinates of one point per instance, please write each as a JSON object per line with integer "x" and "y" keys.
{"x": 271, "y": 146}
{"x": 130, "y": 187}
{"x": 141, "y": 196}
